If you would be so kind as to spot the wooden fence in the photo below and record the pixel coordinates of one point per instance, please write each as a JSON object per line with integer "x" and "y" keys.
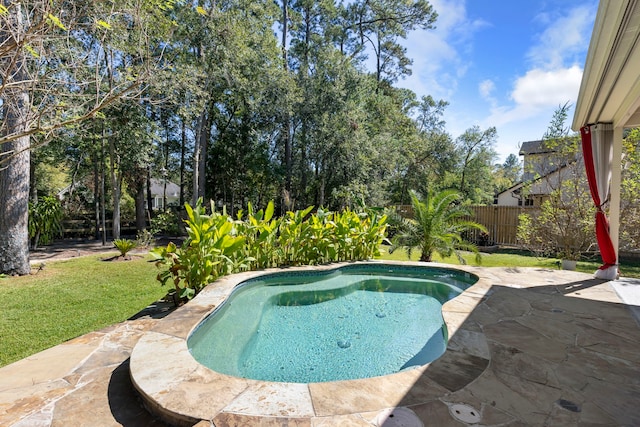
{"x": 86, "y": 227}
{"x": 500, "y": 221}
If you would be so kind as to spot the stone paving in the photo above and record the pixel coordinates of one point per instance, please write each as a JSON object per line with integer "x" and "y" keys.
{"x": 562, "y": 350}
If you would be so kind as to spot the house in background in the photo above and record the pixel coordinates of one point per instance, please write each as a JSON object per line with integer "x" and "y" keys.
{"x": 158, "y": 193}
{"x": 513, "y": 196}
{"x": 543, "y": 170}
{"x": 541, "y": 159}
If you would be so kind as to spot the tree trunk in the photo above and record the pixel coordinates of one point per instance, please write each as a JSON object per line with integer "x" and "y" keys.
{"x": 321, "y": 188}
{"x": 196, "y": 160}
{"x": 304, "y": 171}
{"x": 141, "y": 219}
{"x": 149, "y": 199}
{"x": 103, "y": 206}
{"x": 164, "y": 192}
{"x": 165, "y": 170}
{"x": 33, "y": 187}
{"x": 14, "y": 160}
{"x": 378, "y": 65}
{"x": 200, "y": 157}
{"x": 183, "y": 149}
{"x": 96, "y": 191}
{"x": 116, "y": 181}
{"x": 286, "y": 123}
{"x": 425, "y": 256}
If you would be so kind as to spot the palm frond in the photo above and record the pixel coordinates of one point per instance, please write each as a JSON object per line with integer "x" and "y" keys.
{"x": 437, "y": 226}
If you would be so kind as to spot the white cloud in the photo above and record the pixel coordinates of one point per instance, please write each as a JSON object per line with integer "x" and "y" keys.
{"x": 564, "y": 39}
{"x": 520, "y": 112}
{"x": 536, "y": 95}
{"x": 540, "y": 88}
{"x": 538, "y": 92}
{"x": 439, "y": 65}
{"x": 486, "y": 88}
{"x": 554, "y": 78}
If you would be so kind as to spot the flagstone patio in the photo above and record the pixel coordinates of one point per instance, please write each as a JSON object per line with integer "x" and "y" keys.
{"x": 561, "y": 349}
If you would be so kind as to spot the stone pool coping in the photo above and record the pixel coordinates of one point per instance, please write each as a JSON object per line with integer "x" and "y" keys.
{"x": 181, "y": 391}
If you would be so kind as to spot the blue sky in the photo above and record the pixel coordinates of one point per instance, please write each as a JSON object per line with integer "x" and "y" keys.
{"x": 507, "y": 64}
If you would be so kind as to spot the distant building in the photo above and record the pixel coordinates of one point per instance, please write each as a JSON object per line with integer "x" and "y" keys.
{"x": 535, "y": 159}
{"x": 512, "y": 196}
{"x": 158, "y": 192}
{"x": 543, "y": 170}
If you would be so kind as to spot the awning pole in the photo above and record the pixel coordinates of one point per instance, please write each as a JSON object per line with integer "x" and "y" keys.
{"x": 616, "y": 180}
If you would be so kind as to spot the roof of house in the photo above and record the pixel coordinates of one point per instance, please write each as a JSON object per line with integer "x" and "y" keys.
{"x": 535, "y": 147}
{"x": 517, "y": 186}
{"x": 513, "y": 188}
{"x": 157, "y": 188}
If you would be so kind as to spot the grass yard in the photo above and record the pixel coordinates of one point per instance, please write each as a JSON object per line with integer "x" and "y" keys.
{"x": 71, "y": 298}
{"x": 515, "y": 258}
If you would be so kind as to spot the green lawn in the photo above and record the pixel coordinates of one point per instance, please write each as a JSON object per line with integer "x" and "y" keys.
{"x": 515, "y": 258}
{"x": 71, "y": 298}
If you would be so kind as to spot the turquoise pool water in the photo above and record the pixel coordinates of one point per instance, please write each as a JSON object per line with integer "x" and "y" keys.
{"x": 357, "y": 321}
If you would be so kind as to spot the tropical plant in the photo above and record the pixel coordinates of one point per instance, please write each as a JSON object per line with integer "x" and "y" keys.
{"x": 437, "y": 225}
{"x": 211, "y": 250}
{"x": 218, "y": 245}
{"x": 260, "y": 231}
{"x": 124, "y": 246}
{"x": 45, "y": 220}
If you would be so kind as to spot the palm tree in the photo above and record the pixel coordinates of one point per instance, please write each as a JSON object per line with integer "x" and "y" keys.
{"x": 437, "y": 226}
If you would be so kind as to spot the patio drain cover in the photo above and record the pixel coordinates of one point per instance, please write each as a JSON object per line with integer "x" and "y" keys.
{"x": 465, "y": 413}
{"x": 398, "y": 417}
{"x": 568, "y": 405}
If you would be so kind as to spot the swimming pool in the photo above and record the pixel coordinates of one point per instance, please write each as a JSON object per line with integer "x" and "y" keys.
{"x": 178, "y": 389}
{"x": 356, "y": 321}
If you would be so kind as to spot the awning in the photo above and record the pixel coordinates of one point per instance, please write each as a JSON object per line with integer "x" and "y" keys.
{"x": 608, "y": 102}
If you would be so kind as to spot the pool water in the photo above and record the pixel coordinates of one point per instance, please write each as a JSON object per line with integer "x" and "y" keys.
{"x": 354, "y": 322}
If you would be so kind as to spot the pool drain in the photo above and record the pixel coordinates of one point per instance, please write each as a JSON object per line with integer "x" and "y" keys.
{"x": 465, "y": 413}
{"x": 398, "y": 417}
{"x": 344, "y": 343}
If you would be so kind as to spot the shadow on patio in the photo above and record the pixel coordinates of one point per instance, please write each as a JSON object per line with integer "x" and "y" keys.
{"x": 556, "y": 354}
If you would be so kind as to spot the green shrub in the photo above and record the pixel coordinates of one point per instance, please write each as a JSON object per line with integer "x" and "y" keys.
{"x": 217, "y": 245}
{"x": 45, "y": 220}
{"x": 144, "y": 239}
{"x": 124, "y": 246}
{"x": 165, "y": 223}
{"x": 211, "y": 250}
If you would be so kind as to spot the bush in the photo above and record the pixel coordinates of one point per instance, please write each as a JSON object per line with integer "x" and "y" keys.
{"x": 144, "y": 239}
{"x": 124, "y": 246}
{"x": 562, "y": 228}
{"x": 165, "y": 223}
{"x": 45, "y": 220}
{"x": 564, "y": 225}
{"x": 210, "y": 251}
{"x": 218, "y": 245}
